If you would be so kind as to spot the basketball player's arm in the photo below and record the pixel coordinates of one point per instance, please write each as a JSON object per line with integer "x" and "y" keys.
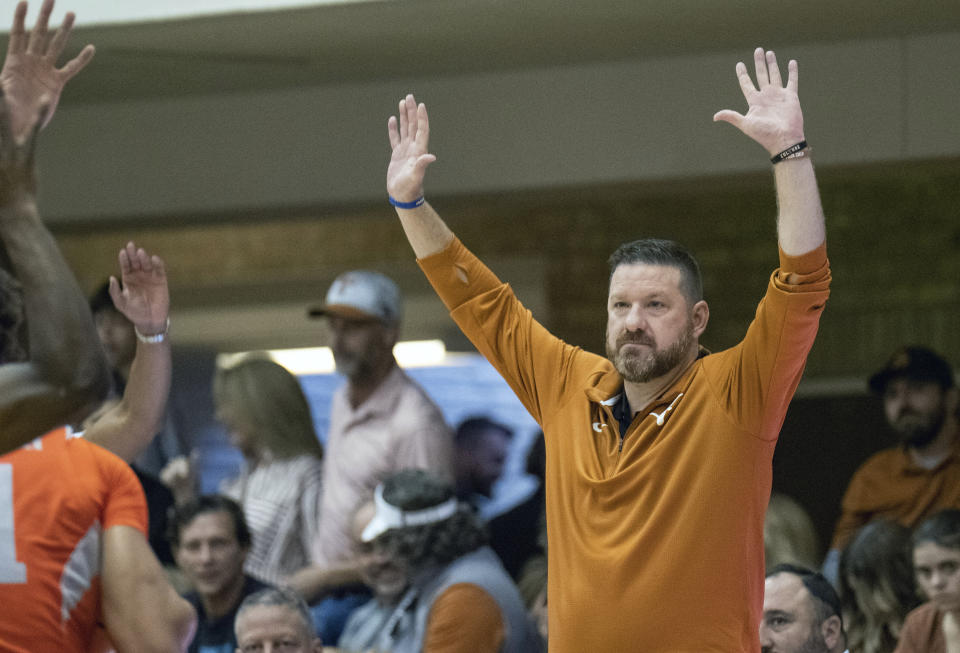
{"x": 142, "y": 296}
{"x": 775, "y": 121}
{"x": 65, "y": 374}
{"x": 141, "y": 610}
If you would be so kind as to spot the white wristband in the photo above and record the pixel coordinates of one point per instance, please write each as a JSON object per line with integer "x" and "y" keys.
{"x": 156, "y": 337}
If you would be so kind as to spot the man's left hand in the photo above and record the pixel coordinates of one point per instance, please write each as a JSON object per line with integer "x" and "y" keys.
{"x": 773, "y": 118}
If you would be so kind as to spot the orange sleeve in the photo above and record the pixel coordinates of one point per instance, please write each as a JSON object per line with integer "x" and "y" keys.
{"x": 126, "y": 503}
{"x": 806, "y": 272}
{"x": 464, "y": 619}
{"x": 457, "y": 275}
{"x": 540, "y": 368}
{"x": 804, "y": 264}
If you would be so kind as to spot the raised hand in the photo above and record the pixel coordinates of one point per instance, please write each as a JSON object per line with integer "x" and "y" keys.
{"x": 773, "y": 118}
{"x": 143, "y": 296}
{"x": 409, "y": 139}
{"x": 180, "y": 476}
{"x": 30, "y": 78}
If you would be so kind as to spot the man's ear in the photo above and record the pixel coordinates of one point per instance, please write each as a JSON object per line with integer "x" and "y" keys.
{"x": 699, "y": 316}
{"x": 830, "y": 629}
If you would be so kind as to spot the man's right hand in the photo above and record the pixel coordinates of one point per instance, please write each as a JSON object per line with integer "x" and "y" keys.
{"x": 30, "y": 78}
{"x": 409, "y": 140}
{"x": 143, "y": 296}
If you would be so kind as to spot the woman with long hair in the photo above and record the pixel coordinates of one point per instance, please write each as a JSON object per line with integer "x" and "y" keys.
{"x": 268, "y": 419}
{"x": 876, "y": 586}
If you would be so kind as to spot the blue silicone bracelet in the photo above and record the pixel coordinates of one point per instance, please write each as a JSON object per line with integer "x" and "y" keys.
{"x": 407, "y": 205}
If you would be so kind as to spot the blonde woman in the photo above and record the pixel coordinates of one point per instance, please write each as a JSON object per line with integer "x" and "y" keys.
{"x": 268, "y": 419}
{"x": 789, "y": 535}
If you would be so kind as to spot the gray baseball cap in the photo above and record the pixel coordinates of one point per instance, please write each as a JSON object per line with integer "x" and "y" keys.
{"x": 363, "y": 295}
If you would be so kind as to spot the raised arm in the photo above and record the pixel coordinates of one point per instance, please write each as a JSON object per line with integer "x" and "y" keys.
{"x": 66, "y": 373}
{"x": 409, "y": 139}
{"x": 30, "y": 78}
{"x": 142, "y": 297}
{"x": 775, "y": 121}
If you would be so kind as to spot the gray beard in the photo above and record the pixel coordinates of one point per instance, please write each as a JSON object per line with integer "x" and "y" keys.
{"x": 354, "y": 367}
{"x": 655, "y": 364}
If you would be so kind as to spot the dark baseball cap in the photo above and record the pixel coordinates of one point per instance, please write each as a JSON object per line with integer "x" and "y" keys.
{"x": 916, "y": 363}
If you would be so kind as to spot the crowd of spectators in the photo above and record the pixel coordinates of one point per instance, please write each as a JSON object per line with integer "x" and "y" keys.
{"x": 893, "y": 556}
{"x": 383, "y": 540}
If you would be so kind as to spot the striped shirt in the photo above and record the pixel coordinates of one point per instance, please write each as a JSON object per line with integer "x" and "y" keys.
{"x": 281, "y": 503}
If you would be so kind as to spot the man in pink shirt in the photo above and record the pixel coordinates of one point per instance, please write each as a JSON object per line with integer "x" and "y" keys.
{"x": 381, "y": 422}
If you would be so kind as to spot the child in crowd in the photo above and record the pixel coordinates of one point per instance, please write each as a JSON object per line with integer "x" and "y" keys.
{"x": 934, "y": 627}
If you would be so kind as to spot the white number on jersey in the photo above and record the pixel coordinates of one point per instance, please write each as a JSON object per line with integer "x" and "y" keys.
{"x": 11, "y": 571}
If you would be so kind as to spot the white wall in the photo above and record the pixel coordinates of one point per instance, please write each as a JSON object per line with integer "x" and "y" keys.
{"x": 864, "y": 101}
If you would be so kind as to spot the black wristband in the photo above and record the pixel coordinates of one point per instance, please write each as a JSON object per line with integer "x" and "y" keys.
{"x": 789, "y": 152}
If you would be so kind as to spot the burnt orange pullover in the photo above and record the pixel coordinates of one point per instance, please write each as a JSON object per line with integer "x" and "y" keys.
{"x": 656, "y": 540}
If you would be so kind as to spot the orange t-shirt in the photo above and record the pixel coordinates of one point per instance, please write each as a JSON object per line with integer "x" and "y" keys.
{"x": 58, "y": 494}
{"x": 655, "y": 545}
{"x": 890, "y": 485}
{"x": 464, "y": 619}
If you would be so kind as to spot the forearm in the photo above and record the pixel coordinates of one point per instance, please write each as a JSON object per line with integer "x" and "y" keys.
{"x": 172, "y": 631}
{"x": 148, "y": 386}
{"x": 63, "y": 343}
{"x": 313, "y": 583}
{"x": 130, "y": 426}
{"x": 142, "y": 612}
{"x": 800, "y": 222}
{"x": 425, "y": 229}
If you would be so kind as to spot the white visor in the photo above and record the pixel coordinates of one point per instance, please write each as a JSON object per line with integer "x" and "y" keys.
{"x": 389, "y": 516}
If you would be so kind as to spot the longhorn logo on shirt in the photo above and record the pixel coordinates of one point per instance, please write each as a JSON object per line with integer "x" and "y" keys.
{"x": 662, "y": 416}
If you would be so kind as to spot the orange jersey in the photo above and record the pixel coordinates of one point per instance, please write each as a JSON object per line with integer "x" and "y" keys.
{"x": 656, "y": 537}
{"x": 890, "y": 485}
{"x": 58, "y": 494}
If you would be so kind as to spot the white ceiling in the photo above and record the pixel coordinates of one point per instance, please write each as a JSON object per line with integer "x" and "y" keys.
{"x": 353, "y": 42}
